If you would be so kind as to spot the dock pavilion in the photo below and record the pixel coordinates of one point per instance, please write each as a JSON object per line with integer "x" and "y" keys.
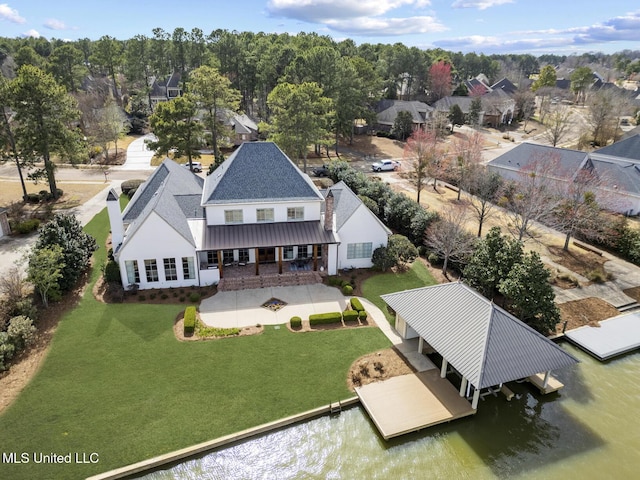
{"x": 484, "y": 344}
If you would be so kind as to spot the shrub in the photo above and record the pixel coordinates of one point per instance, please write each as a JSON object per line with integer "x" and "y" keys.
{"x": 7, "y": 349}
{"x": 362, "y": 314}
{"x": 204, "y": 331}
{"x": 182, "y": 299}
{"x": 350, "y": 315}
{"x": 189, "y": 320}
{"x": 27, "y": 226}
{"x": 164, "y": 296}
{"x": 152, "y": 296}
{"x": 347, "y": 289}
{"x": 175, "y": 294}
{"x": 21, "y": 332}
{"x": 598, "y": 275}
{"x": 129, "y": 187}
{"x": 334, "y": 281}
{"x": 296, "y": 322}
{"x": 433, "y": 258}
{"x": 194, "y": 297}
{"x": 33, "y": 198}
{"x": 324, "y": 318}
{"x": 111, "y": 272}
{"x": 44, "y": 195}
{"x": 142, "y": 298}
{"x": 356, "y": 304}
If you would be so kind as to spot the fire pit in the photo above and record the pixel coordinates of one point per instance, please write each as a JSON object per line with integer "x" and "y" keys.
{"x": 274, "y": 304}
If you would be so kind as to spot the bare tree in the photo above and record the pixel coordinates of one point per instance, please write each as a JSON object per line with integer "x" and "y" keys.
{"x": 485, "y": 188}
{"x": 425, "y": 157}
{"x": 557, "y": 122}
{"x": 467, "y": 153}
{"x": 535, "y": 195}
{"x": 448, "y": 236}
{"x": 525, "y": 106}
{"x": 606, "y": 106}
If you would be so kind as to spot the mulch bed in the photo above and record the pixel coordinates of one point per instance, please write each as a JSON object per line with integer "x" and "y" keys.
{"x": 376, "y": 367}
{"x": 633, "y": 293}
{"x": 580, "y": 262}
{"x": 369, "y": 322}
{"x": 587, "y": 311}
{"x": 178, "y": 331}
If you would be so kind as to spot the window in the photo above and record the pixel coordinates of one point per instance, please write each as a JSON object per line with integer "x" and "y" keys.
{"x": 233, "y": 216}
{"x": 133, "y": 274}
{"x": 288, "y": 253}
{"x": 303, "y": 251}
{"x": 227, "y": 257}
{"x": 264, "y": 214}
{"x": 212, "y": 257}
{"x": 170, "y": 270}
{"x": 359, "y": 250}
{"x": 295, "y": 213}
{"x": 151, "y": 269}
{"x": 188, "y": 268}
{"x": 243, "y": 255}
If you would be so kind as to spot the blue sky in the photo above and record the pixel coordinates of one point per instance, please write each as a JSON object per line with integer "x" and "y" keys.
{"x": 487, "y": 26}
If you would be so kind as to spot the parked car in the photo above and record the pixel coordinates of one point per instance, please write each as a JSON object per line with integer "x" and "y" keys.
{"x": 385, "y": 166}
{"x": 322, "y": 171}
{"x": 197, "y": 166}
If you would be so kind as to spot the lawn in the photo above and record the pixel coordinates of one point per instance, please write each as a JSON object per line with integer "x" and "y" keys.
{"x": 117, "y": 382}
{"x": 373, "y": 287}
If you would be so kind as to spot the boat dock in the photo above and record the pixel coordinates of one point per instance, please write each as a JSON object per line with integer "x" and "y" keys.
{"x": 409, "y": 403}
{"x": 615, "y": 336}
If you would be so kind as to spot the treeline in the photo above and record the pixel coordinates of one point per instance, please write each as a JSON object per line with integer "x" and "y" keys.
{"x": 256, "y": 62}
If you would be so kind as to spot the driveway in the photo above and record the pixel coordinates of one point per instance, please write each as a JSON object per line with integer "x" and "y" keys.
{"x": 243, "y": 308}
{"x": 138, "y": 155}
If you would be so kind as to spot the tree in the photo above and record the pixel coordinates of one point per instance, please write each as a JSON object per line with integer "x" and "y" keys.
{"x": 8, "y": 147}
{"x": 402, "y": 125}
{"x": 605, "y": 108}
{"x": 525, "y": 106}
{"x": 546, "y": 78}
{"x": 529, "y": 294}
{"x": 456, "y": 116}
{"x": 137, "y": 63}
{"x": 76, "y": 246}
{"x": 581, "y": 79}
{"x": 107, "y": 53}
{"x": 45, "y": 271}
{"x": 109, "y": 124}
{"x": 475, "y": 109}
{"x": 558, "y": 123}
{"x": 213, "y": 94}
{"x": 448, "y": 236}
{"x": 440, "y": 80}
{"x": 467, "y": 150}
{"x": 66, "y": 65}
{"x": 177, "y": 129}
{"x": 485, "y": 188}
{"x": 44, "y": 113}
{"x": 299, "y": 118}
{"x": 398, "y": 253}
{"x": 492, "y": 260}
{"x": 421, "y": 152}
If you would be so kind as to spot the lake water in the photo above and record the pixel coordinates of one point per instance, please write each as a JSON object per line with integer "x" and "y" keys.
{"x": 589, "y": 430}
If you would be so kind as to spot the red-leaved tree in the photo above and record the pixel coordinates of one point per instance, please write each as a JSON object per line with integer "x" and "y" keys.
{"x": 440, "y": 80}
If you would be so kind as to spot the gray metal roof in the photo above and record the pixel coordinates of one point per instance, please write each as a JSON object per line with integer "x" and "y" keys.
{"x": 258, "y": 172}
{"x": 483, "y": 342}
{"x": 345, "y": 204}
{"x": 257, "y": 235}
{"x": 628, "y": 148}
{"x": 173, "y": 193}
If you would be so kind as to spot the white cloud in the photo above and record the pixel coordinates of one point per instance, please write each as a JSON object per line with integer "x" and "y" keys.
{"x": 53, "y": 24}
{"x": 479, "y": 4}
{"x": 387, "y": 26}
{"x": 31, "y": 33}
{"x": 10, "y": 14}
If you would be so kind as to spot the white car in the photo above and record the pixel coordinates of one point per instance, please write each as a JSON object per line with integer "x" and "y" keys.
{"x": 197, "y": 166}
{"x": 385, "y": 166}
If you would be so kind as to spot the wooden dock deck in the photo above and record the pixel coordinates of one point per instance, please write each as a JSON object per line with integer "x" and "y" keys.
{"x": 553, "y": 384}
{"x": 408, "y": 403}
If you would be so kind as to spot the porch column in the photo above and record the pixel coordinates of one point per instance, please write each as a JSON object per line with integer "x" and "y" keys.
{"x": 220, "y": 262}
{"x": 315, "y": 257}
{"x": 463, "y": 385}
{"x": 257, "y": 262}
{"x": 420, "y": 344}
{"x": 443, "y": 370}
{"x": 476, "y": 397}
{"x": 280, "y": 260}
{"x": 546, "y": 379}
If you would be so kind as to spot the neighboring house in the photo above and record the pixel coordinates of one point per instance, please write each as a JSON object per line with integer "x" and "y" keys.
{"x": 485, "y": 344}
{"x": 616, "y": 166}
{"x": 243, "y": 127}
{"x": 257, "y": 208}
{"x": 5, "y": 229}
{"x": 165, "y": 90}
{"x": 387, "y": 111}
{"x": 506, "y": 86}
{"x": 478, "y": 85}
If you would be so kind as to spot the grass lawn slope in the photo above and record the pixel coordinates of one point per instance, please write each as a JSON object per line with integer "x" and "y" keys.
{"x": 116, "y": 382}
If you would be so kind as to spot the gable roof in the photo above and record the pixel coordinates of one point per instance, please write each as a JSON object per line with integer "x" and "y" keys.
{"x": 523, "y": 156}
{"x": 628, "y": 148}
{"x": 345, "y": 204}
{"x": 505, "y": 85}
{"x": 387, "y": 110}
{"x": 486, "y": 344}
{"x": 258, "y": 172}
{"x": 173, "y": 193}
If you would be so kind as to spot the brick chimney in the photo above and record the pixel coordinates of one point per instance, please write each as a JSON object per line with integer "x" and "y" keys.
{"x": 328, "y": 212}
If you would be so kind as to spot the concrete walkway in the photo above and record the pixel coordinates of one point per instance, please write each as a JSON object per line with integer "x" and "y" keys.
{"x": 138, "y": 155}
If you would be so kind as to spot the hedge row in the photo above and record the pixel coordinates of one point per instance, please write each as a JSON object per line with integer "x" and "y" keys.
{"x": 350, "y": 315}
{"x": 325, "y": 318}
{"x": 356, "y": 304}
{"x": 189, "y": 320}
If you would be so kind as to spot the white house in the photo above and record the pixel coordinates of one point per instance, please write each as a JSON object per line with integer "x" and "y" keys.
{"x": 256, "y": 209}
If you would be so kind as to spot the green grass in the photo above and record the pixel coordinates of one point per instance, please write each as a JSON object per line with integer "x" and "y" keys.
{"x": 117, "y": 382}
{"x": 373, "y": 287}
